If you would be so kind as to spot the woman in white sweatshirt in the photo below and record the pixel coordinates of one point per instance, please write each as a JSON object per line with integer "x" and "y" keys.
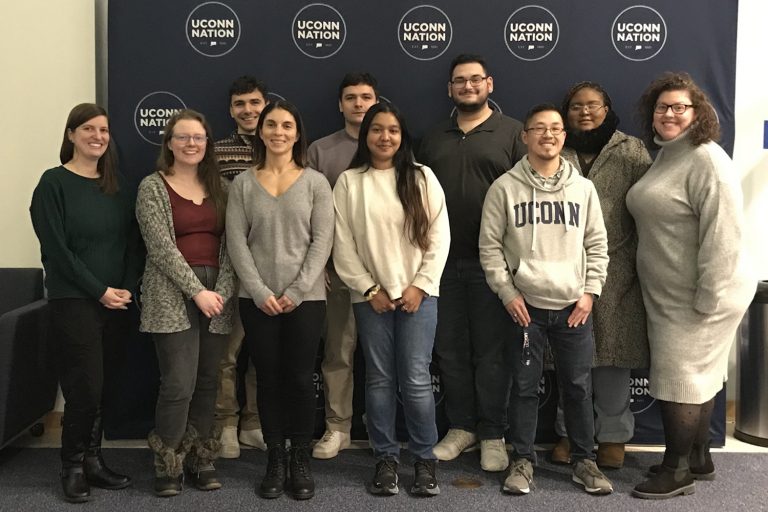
{"x": 391, "y": 244}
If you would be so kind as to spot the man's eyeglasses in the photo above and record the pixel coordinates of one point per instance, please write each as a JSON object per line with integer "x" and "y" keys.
{"x": 184, "y": 139}
{"x": 474, "y": 80}
{"x": 677, "y": 108}
{"x": 541, "y": 130}
{"x": 591, "y": 107}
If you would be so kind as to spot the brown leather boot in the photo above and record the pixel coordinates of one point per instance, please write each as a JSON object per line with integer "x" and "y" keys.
{"x": 610, "y": 455}
{"x": 561, "y": 453}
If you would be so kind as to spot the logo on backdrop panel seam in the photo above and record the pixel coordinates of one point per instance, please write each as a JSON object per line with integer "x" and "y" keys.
{"x": 213, "y": 29}
{"x": 638, "y": 33}
{"x": 318, "y": 31}
{"x": 152, "y": 113}
{"x": 531, "y": 32}
{"x": 424, "y": 32}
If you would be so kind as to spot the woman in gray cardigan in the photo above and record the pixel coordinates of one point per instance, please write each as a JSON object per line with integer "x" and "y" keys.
{"x": 186, "y": 292}
{"x": 613, "y": 161}
{"x": 280, "y": 232}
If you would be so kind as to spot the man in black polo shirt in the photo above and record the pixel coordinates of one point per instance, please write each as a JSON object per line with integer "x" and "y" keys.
{"x": 468, "y": 152}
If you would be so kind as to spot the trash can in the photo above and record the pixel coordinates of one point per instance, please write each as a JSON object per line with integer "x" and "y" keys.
{"x": 752, "y": 363}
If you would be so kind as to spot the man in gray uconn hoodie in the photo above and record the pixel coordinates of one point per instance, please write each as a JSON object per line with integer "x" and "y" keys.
{"x": 544, "y": 250}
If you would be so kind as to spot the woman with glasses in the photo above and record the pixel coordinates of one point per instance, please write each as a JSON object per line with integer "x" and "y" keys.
{"x": 391, "y": 245}
{"x": 280, "y": 232}
{"x": 695, "y": 279}
{"x": 613, "y": 161}
{"x": 188, "y": 283}
{"x": 82, "y": 213}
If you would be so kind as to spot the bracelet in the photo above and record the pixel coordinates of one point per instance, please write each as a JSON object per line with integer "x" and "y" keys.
{"x": 372, "y": 291}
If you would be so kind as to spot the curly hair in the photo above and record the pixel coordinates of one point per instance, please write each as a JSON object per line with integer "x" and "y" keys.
{"x": 705, "y": 127}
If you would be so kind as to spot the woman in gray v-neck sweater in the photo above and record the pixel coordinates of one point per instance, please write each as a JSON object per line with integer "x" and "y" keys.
{"x": 280, "y": 232}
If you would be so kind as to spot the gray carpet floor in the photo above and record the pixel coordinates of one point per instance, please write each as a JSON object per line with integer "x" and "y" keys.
{"x": 29, "y": 482}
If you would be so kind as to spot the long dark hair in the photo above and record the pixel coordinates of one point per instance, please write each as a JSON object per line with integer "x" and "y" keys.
{"x": 705, "y": 126}
{"x": 416, "y": 219}
{"x": 207, "y": 169}
{"x": 299, "y": 151}
{"x": 107, "y": 164}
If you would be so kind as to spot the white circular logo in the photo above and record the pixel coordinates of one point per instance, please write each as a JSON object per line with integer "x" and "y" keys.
{"x": 319, "y": 31}
{"x": 152, "y": 113}
{"x": 213, "y": 29}
{"x": 424, "y": 32}
{"x": 531, "y": 32}
{"x": 640, "y": 398}
{"x": 639, "y": 33}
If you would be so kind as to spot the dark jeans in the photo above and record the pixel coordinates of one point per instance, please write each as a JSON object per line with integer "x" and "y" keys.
{"x": 573, "y": 348}
{"x": 472, "y": 330}
{"x": 283, "y": 349}
{"x": 189, "y": 372}
{"x": 90, "y": 348}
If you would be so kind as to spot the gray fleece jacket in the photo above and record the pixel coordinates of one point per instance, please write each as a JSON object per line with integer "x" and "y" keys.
{"x": 550, "y": 245}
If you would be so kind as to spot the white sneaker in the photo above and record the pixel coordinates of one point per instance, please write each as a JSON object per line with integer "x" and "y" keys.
{"x": 331, "y": 444}
{"x": 454, "y": 442}
{"x": 253, "y": 438}
{"x": 493, "y": 455}
{"x": 230, "y": 448}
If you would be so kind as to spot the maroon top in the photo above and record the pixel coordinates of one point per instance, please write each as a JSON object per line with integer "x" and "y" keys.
{"x": 197, "y": 236}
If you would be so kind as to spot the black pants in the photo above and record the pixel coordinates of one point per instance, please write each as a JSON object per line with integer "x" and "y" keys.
{"x": 90, "y": 351}
{"x": 283, "y": 349}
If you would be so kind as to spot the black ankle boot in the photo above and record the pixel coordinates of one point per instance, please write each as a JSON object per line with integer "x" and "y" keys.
{"x": 273, "y": 484}
{"x": 666, "y": 483}
{"x": 74, "y": 484}
{"x": 302, "y": 482}
{"x": 99, "y": 475}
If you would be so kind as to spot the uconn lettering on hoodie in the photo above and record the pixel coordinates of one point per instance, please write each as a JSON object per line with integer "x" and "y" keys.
{"x": 546, "y": 212}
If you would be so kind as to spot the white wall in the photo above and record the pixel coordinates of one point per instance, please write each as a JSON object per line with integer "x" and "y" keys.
{"x": 47, "y": 65}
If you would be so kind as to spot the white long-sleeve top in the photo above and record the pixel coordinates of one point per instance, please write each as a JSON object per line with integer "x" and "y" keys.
{"x": 371, "y": 246}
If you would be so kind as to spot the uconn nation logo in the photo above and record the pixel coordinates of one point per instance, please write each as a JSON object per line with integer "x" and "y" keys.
{"x": 640, "y": 397}
{"x": 424, "y": 32}
{"x": 319, "y": 31}
{"x": 213, "y": 29}
{"x": 639, "y": 33}
{"x": 531, "y": 32}
{"x": 152, "y": 113}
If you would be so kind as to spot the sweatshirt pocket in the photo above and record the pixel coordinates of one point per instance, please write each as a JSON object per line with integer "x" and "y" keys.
{"x": 550, "y": 280}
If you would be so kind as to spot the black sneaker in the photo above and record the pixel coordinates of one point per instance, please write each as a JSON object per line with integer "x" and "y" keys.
{"x": 424, "y": 481}
{"x": 384, "y": 482}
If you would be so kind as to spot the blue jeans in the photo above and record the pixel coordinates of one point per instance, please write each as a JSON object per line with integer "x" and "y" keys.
{"x": 472, "y": 331}
{"x": 573, "y": 348}
{"x": 398, "y": 349}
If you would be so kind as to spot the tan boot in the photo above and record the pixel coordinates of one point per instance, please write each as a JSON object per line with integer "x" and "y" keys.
{"x": 561, "y": 453}
{"x": 610, "y": 455}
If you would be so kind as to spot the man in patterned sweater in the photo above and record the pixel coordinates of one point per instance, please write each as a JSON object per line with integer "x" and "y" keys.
{"x": 247, "y": 98}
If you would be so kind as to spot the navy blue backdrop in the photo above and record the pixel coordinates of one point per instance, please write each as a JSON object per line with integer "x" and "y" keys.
{"x": 163, "y": 56}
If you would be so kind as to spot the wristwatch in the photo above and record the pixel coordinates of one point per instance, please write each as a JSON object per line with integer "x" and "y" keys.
{"x": 372, "y": 291}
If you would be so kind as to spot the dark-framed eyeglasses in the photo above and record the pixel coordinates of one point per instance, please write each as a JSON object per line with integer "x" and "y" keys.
{"x": 591, "y": 107}
{"x": 541, "y": 130}
{"x": 184, "y": 139}
{"x": 474, "y": 80}
{"x": 677, "y": 108}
